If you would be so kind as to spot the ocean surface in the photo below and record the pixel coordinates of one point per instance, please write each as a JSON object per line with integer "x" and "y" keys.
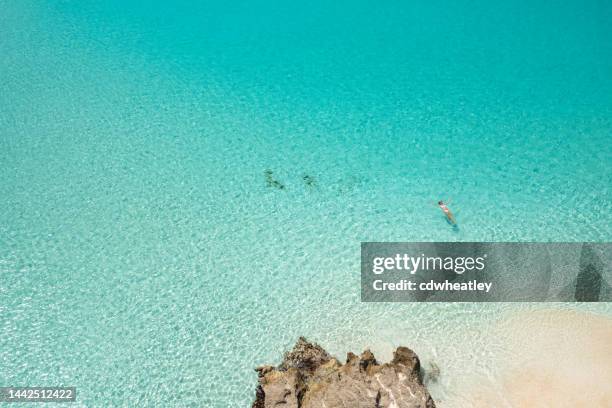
{"x": 145, "y": 260}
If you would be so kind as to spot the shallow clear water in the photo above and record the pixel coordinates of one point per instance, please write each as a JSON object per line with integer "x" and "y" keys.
{"x": 144, "y": 260}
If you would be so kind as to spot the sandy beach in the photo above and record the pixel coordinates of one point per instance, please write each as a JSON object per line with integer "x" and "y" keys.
{"x": 557, "y": 359}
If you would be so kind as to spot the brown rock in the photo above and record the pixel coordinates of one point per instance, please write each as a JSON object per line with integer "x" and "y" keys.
{"x": 305, "y": 356}
{"x": 309, "y": 377}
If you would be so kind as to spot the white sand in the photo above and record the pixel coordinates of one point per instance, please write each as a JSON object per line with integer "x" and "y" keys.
{"x": 555, "y": 359}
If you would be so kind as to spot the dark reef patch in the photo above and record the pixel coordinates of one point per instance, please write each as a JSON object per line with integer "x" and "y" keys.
{"x": 309, "y": 180}
{"x": 271, "y": 181}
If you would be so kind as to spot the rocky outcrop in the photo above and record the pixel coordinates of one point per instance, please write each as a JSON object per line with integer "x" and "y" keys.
{"x": 309, "y": 377}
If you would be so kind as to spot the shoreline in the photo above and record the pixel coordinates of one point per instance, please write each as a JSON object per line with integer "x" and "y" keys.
{"x": 560, "y": 358}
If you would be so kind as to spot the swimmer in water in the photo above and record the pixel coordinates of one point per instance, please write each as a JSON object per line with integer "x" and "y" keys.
{"x": 449, "y": 215}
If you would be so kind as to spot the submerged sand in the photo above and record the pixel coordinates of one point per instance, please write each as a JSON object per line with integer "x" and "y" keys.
{"x": 555, "y": 359}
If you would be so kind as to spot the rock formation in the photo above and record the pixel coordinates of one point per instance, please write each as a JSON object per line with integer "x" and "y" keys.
{"x": 309, "y": 377}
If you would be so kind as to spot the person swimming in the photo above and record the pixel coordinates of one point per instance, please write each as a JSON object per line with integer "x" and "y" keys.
{"x": 449, "y": 215}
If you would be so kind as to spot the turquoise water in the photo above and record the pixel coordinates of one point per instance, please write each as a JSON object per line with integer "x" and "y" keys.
{"x": 144, "y": 260}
